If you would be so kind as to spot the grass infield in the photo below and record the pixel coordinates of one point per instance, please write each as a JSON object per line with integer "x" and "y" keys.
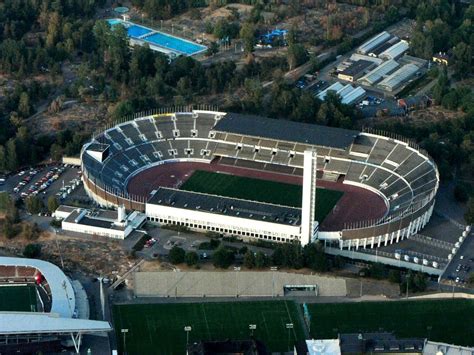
{"x": 18, "y": 299}
{"x": 259, "y": 190}
{"x": 159, "y": 328}
{"x": 439, "y": 320}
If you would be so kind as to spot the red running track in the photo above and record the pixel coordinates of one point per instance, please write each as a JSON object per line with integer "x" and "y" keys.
{"x": 357, "y": 204}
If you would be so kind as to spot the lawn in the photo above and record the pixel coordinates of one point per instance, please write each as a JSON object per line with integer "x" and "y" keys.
{"x": 17, "y": 299}
{"x": 259, "y": 190}
{"x": 441, "y": 320}
{"x": 159, "y": 328}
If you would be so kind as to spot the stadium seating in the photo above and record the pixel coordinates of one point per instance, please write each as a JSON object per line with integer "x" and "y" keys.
{"x": 400, "y": 173}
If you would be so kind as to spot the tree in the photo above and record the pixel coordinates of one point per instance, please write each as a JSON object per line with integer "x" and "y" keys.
{"x": 249, "y": 259}
{"x": 24, "y": 107}
{"x": 314, "y": 256}
{"x": 32, "y": 251}
{"x": 394, "y": 276}
{"x": 9, "y": 229}
{"x": 30, "y": 231}
{"x": 11, "y": 156}
{"x": 191, "y": 258}
{"x": 469, "y": 215}
{"x": 222, "y": 257}
{"x": 176, "y": 255}
{"x": 261, "y": 260}
{"x": 470, "y": 278}
{"x": 34, "y": 204}
{"x": 53, "y": 204}
{"x": 247, "y": 34}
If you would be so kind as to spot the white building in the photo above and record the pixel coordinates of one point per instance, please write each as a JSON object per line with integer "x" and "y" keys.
{"x": 112, "y": 224}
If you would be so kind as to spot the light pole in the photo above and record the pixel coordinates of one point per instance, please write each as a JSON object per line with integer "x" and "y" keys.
{"x": 187, "y": 329}
{"x": 252, "y": 327}
{"x": 289, "y": 326}
{"x": 59, "y": 249}
{"x": 124, "y": 334}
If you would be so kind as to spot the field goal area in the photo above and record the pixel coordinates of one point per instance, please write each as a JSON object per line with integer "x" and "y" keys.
{"x": 153, "y": 326}
{"x": 18, "y": 298}
{"x": 279, "y": 193}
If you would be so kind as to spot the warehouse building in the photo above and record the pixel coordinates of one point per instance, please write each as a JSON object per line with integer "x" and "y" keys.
{"x": 374, "y": 42}
{"x": 377, "y": 74}
{"x": 384, "y": 46}
{"x": 355, "y": 70}
{"x": 348, "y": 93}
{"x": 395, "y": 51}
{"x": 399, "y": 77}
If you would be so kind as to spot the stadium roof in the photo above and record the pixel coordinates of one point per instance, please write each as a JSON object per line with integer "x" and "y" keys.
{"x": 231, "y": 207}
{"x": 62, "y": 293}
{"x": 36, "y": 323}
{"x": 284, "y": 130}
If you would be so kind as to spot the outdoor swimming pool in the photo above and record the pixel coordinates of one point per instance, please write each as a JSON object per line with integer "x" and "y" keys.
{"x": 158, "y": 40}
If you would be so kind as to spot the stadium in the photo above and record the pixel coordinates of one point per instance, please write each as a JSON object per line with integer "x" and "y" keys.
{"x": 261, "y": 178}
{"x": 41, "y": 309}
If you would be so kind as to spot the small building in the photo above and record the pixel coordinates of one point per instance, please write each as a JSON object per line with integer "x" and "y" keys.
{"x": 112, "y": 224}
{"x": 348, "y": 93}
{"x": 374, "y": 42}
{"x": 441, "y": 58}
{"x": 355, "y": 70}
{"x": 432, "y": 347}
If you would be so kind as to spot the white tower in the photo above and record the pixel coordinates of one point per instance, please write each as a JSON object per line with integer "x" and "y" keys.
{"x": 308, "y": 223}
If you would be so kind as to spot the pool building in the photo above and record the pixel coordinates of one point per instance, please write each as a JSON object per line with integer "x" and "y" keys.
{"x": 158, "y": 41}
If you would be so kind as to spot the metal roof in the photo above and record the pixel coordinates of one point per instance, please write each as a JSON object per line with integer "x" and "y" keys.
{"x": 379, "y": 72}
{"x": 47, "y": 323}
{"x": 395, "y": 51}
{"x": 334, "y": 87}
{"x": 231, "y": 207}
{"x": 62, "y": 293}
{"x": 400, "y": 76}
{"x": 375, "y": 41}
{"x": 262, "y": 127}
{"x": 353, "y": 96}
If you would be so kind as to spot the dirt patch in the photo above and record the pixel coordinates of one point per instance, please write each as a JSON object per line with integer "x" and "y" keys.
{"x": 75, "y": 116}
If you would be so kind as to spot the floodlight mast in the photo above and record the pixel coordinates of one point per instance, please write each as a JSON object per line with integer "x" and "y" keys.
{"x": 308, "y": 224}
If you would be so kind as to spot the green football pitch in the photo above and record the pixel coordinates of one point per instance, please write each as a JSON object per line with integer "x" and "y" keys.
{"x": 18, "y": 299}
{"x": 439, "y": 320}
{"x": 259, "y": 190}
{"x": 159, "y": 328}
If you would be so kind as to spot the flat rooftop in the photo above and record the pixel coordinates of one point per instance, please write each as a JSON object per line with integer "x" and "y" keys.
{"x": 100, "y": 219}
{"x": 284, "y": 130}
{"x": 226, "y": 206}
{"x": 357, "y": 67}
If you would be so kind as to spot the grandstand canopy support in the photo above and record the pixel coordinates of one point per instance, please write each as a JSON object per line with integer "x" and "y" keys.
{"x": 77, "y": 339}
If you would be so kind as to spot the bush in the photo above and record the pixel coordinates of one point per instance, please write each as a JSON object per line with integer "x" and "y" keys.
{"x": 461, "y": 192}
{"x": 31, "y": 231}
{"x": 32, "y": 251}
{"x": 191, "y": 258}
{"x": 176, "y": 255}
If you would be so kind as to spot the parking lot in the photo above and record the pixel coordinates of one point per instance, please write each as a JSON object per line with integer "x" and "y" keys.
{"x": 56, "y": 180}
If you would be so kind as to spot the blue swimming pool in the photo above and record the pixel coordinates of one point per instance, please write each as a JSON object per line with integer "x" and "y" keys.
{"x": 160, "y": 40}
{"x": 174, "y": 43}
{"x": 137, "y": 31}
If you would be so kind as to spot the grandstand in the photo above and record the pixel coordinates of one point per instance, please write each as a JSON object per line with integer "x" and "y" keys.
{"x": 153, "y": 153}
{"x": 38, "y": 308}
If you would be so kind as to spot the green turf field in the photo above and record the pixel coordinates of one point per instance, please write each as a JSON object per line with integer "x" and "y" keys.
{"x": 159, "y": 328}
{"x": 17, "y": 299}
{"x": 259, "y": 190}
{"x": 444, "y": 321}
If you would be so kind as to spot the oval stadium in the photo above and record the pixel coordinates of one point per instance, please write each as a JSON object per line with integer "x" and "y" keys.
{"x": 260, "y": 178}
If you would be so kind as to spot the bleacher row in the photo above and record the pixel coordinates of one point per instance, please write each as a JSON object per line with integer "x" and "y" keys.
{"x": 400, "y": 173}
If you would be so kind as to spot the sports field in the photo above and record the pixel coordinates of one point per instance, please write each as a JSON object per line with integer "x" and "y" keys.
{"x": 159, "y": 328}
{"x": 259, "y": 190}
{"x": 17, "y": 299}
{"x": 441, "y": 320}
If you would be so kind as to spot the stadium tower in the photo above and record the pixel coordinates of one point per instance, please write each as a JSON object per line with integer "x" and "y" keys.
{"x": 308, "y": 224}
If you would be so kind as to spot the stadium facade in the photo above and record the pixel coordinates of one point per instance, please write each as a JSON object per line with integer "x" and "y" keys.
{"x": 392, "y": 168}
